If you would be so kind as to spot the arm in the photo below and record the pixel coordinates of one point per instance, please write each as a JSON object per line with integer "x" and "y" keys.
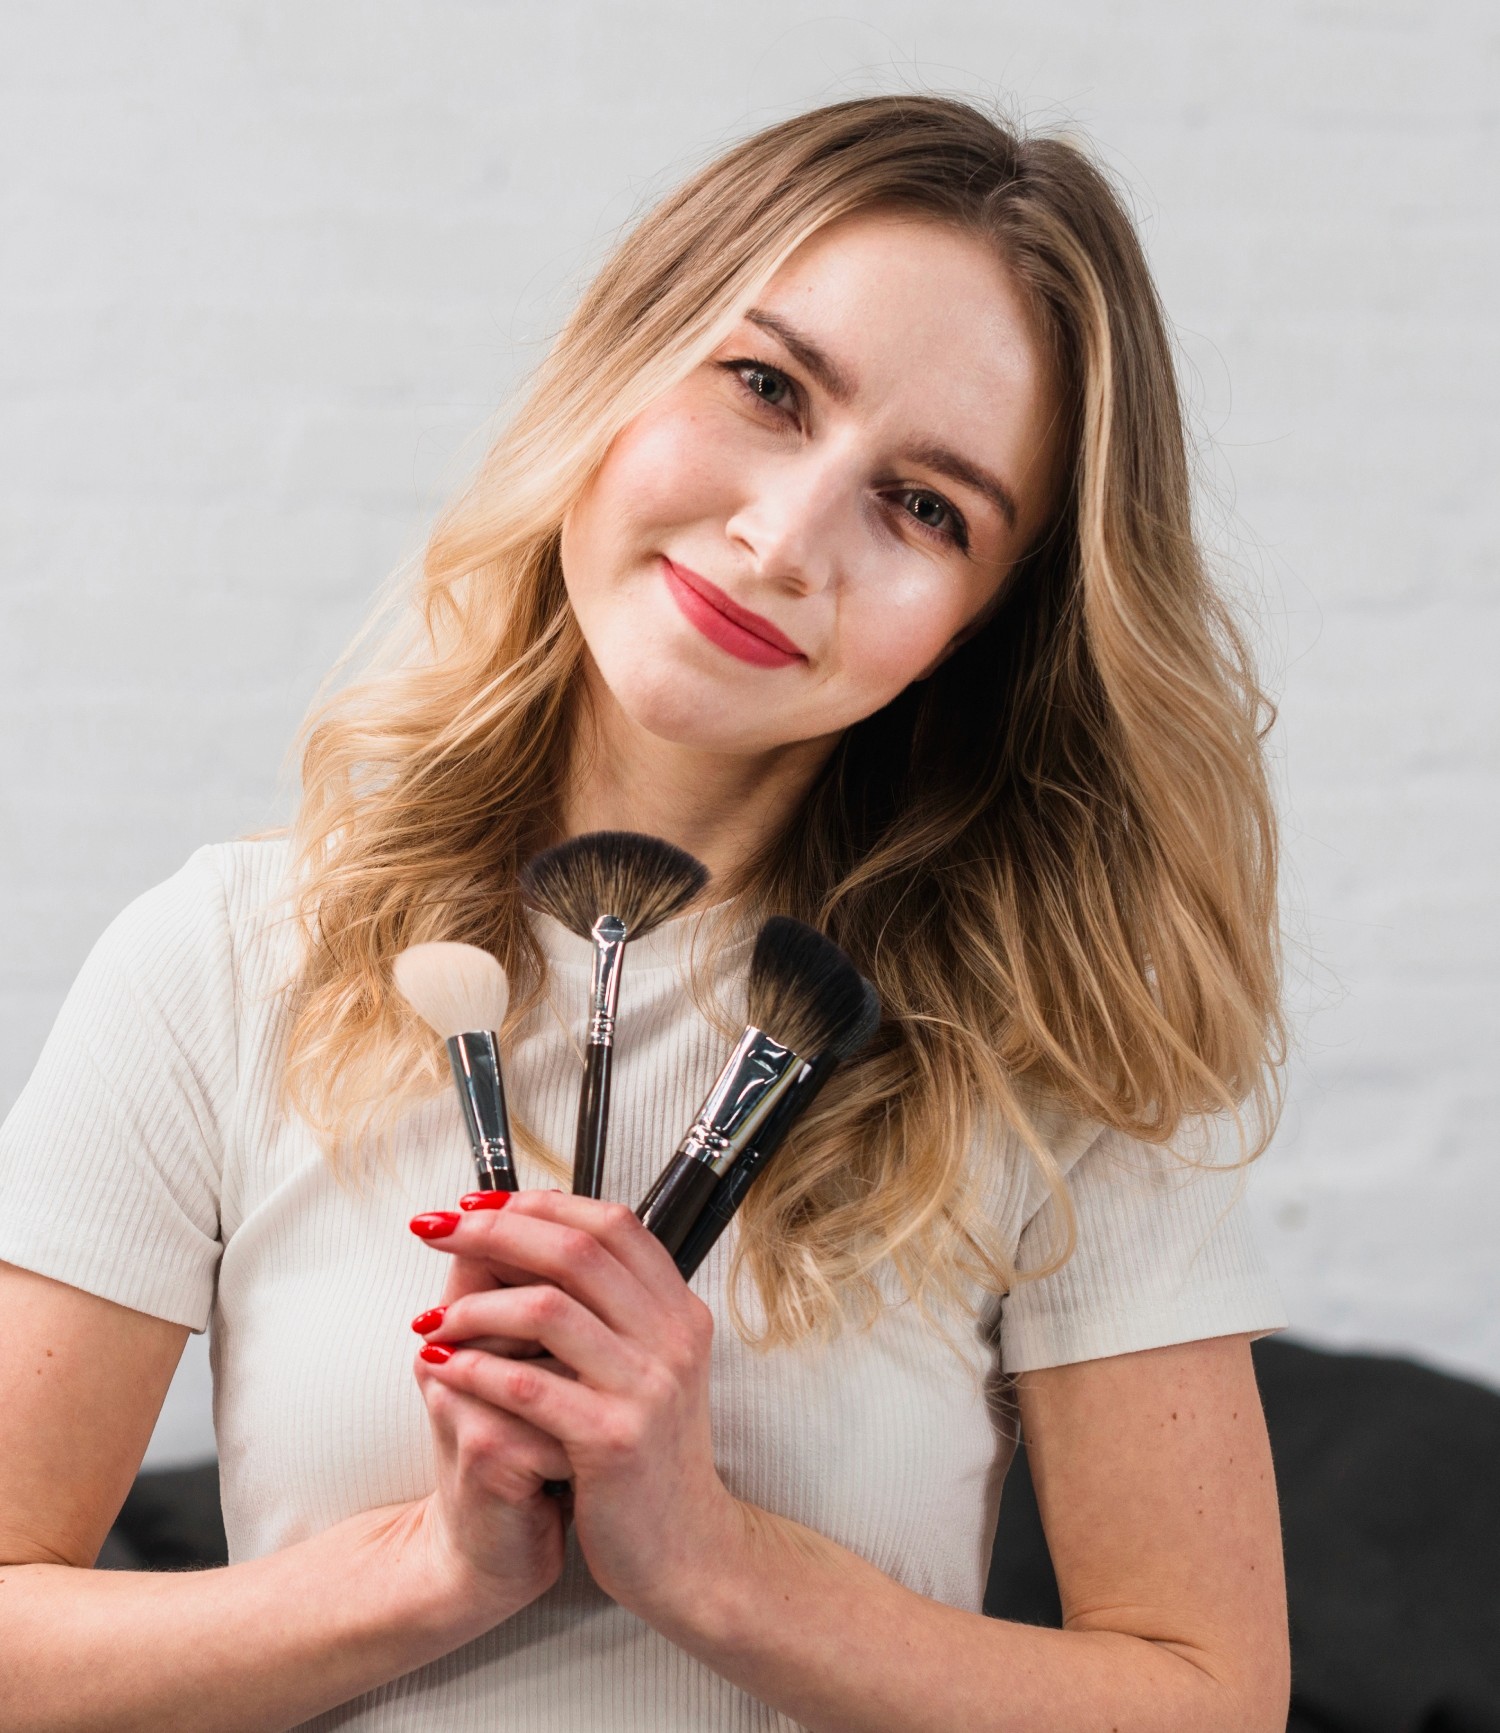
{"x": 254, "y": 1647}
{"x": 1154, "y": 1480}
{"x": 1153, "y": 1474}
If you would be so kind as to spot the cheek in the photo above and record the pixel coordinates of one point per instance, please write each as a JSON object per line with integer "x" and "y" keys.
{"x": 659, "y": 473}
{"x": 891, "y": 634}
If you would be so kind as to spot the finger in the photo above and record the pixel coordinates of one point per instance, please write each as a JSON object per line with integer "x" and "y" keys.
{"x": 543, "y": 1316}
{"x": 618, "y": 1227}
{"x": 471, "y": 1431}
{"x": 614, "y": 1224}
{"x": 662, "y": 1313}
{"x": 572, "y": 1257}
{"x": 468, "y": 1276}
{"x": 563, "y": 1409}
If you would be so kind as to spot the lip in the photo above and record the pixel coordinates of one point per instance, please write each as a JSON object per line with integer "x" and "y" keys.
{"x": 725, "y": 623}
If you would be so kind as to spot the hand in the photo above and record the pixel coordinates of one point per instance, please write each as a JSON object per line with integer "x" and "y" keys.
{"x": 487, "y": 1530}
{"x": 623, "y": 1392}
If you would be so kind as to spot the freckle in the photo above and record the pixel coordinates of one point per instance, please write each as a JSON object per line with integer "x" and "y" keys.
{"x": 49, "y": 1353}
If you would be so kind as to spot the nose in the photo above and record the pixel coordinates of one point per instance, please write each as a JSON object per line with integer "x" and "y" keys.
{"x": 794, "y": 520}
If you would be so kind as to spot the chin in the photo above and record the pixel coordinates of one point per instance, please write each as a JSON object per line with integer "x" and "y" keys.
{"x": 687, "y": 707}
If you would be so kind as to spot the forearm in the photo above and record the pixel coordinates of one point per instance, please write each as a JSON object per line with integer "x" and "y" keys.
{"x": 833, "y": 1643}
{"x": 256, "y": 1647}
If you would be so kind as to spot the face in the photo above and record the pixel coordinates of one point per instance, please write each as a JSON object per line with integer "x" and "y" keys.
{"x": 820, "y": 512}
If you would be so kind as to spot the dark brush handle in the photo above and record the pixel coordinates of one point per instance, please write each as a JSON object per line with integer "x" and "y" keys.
{"x": 729, "y": 1192}
{"x": 593, "y": 1122}
{"x": 718, "y": 1212}
{"x": 671, "y": 1206}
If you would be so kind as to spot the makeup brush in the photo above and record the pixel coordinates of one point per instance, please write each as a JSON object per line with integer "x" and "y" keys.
{"x": 609, "y": 887}
{"x": 729, "y": 1193}
{"x": 804, "y": 995}
{"x": 463, "y": 993}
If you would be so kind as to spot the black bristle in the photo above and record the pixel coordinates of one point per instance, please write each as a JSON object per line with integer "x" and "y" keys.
{"x": 804, "y": 991}
{"x": 861, "y": 1031}
{"x": 641, "y": 879}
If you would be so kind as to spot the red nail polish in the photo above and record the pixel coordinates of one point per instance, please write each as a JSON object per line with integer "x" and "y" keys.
{"x": 485, "y": 1199}
{"x": 426, "y": 1322}
{"x": 435, "y": 1353}
{"x": 436, "y": 1224}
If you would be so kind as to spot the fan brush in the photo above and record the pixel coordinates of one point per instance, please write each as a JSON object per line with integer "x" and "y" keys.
{"x": 463, "y": 993}
{"x": 729, "y": 1193}
{"x": 609, "y": 887}
{"x": 805, "y": 996}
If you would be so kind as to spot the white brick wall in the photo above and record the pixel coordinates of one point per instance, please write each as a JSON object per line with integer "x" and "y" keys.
{"x": 267, "y": 268}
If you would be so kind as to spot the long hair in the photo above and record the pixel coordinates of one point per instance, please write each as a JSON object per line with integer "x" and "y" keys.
{"x": 1055, "y": 857}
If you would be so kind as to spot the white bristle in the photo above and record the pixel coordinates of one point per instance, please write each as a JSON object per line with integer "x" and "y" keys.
{"x": 456, "y": 988}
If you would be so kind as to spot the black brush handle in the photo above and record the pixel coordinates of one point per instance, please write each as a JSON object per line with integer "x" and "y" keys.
{"x": 593, "y": 1121}
{"x": 718, "y": 1212}
{"x": 671, "y": 1206}
{"x": 729, "y": 1192}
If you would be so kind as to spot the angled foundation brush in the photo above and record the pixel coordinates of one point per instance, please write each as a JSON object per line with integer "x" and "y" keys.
{"x": 729, "y": 1193}
{"x": 805, "y": 995}
{"x": 463, "y": 993}
{"x": 609, "y": 887}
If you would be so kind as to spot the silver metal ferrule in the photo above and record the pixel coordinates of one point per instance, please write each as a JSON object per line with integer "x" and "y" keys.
{"x": 759, "y": 1072}
{"x": 475, "y": 1058}
{"x": 610, "y": 934}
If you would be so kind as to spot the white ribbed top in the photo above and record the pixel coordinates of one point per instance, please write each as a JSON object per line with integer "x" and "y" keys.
{"x": 163, "y": 1073}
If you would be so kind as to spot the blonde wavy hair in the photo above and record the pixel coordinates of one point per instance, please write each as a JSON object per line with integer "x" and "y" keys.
{"x": 1055, "y": 857}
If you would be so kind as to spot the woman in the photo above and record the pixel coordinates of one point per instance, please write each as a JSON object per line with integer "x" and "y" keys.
{"x": 845, "y": 542}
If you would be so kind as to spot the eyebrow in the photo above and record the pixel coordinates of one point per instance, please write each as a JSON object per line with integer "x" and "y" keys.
{"x": 963, "y": 469}
{"x": 840, "y": 386}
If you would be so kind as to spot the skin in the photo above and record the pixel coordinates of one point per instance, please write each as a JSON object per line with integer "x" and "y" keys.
{"x": 811, "y": 508}
{"x": 569, "y": 1347}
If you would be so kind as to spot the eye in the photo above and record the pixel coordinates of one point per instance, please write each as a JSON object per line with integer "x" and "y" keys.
{"x": 934, "y": 515}
{"x": 769, "y": 384}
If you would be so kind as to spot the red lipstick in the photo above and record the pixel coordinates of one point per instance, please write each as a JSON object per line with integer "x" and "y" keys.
{"x": 725, "y": 623}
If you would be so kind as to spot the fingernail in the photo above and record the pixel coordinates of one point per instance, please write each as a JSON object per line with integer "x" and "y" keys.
{"x": 436, "y": 1224}
{"x": 485, "y": 1199}
{"x": 435, "y": 1353}
{"x": 426, "y": 1322}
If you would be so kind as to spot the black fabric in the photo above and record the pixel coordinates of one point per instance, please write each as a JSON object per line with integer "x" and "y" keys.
{"x": 170, "y": 1521}
{"x": 1389, "y": 1475}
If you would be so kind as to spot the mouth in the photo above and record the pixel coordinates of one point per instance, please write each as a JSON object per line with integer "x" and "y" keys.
{"x": 724, "y": 622}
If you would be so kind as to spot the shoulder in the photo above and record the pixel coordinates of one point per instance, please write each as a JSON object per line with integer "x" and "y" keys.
{"x": 187, "y": 955}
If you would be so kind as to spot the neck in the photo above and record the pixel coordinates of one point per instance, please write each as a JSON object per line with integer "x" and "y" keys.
{"x": 722, "y": 808}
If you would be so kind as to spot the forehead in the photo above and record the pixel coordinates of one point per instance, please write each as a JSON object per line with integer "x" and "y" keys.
{"x": 916, "y": 313}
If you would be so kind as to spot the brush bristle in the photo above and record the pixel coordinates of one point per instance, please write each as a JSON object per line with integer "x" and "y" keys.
{"x": 804, "y": 991}
{"x": 640, "y": 879}
{"x": 458, "y": 989}
{"x": 861, "y": 1031}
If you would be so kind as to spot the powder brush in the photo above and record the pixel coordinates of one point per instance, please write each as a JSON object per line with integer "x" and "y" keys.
{"x": 609, "y": 887}
{"x": 463, "y": 993}
{"x": 729, "y": 1193}
{"x": 804, "y": 998}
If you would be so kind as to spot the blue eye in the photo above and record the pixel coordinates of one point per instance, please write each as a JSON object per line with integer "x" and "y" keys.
{"x": 768, "y": 384}
{"x": 932, "y": 513}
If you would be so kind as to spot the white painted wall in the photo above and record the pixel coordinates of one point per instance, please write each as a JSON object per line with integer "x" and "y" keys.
{"x": 267, "y": 267}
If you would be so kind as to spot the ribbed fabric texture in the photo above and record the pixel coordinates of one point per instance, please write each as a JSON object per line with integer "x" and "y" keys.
{"x": 163, "y": 1073}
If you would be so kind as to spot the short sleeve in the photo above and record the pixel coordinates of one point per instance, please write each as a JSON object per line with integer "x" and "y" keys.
{"x": 110, "y": 1159}
{"x": 1165, "y": 1253}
